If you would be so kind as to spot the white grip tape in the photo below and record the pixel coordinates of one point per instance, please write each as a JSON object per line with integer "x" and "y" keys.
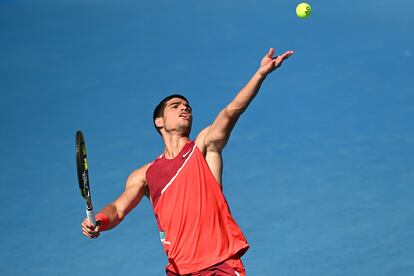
{"x": 91, "y": 216}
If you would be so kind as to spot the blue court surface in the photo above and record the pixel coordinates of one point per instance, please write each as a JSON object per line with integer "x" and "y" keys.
{"x": 319, "y": 171}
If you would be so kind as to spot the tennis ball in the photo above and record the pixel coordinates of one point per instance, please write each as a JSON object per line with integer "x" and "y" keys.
{"x": 303, "y": 10}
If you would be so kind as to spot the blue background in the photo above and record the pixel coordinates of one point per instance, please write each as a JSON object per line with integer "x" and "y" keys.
{"x": 318, "y": 172}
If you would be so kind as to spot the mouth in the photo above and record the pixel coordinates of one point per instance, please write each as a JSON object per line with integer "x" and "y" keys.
{"x": 185, "y": 115}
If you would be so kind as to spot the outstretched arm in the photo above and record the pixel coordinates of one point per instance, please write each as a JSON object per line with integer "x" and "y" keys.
{"x": 215, "y": 137}
{"x": 112, "y": 214}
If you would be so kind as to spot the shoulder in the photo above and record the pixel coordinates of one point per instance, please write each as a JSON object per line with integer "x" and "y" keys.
{"x": 138, "y": 176}
{"x": 200, "y": 141}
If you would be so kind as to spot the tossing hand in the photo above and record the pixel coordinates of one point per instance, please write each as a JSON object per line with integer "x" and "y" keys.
{"x": 270, "y": 63}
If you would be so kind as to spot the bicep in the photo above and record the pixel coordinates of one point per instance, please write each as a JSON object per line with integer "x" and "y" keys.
{"x": 135, "y": 189}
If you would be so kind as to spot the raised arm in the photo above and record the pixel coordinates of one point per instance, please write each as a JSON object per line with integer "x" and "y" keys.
{"x": 112, "y": 214}
{"x": 215, "y": 137}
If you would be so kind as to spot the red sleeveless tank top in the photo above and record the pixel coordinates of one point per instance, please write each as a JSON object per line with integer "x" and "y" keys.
{"x": 197, "y": 229}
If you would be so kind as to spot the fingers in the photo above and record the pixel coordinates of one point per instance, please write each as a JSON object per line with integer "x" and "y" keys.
{"x": 90, "y": 235}
{"x": 271, "y": 52}
{"x": 287, "y": 54}
{"x": 270, "y": 63}
{"x": 89, "y": 230}
{"x": 279, "y": 59}
{"x": 284, "y": 56}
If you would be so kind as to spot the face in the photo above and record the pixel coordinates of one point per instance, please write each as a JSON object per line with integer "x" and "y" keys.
{"x": 177, "y": 117}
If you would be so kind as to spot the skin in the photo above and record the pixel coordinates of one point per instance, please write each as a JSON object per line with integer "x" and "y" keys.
{"x": 175, "y": 126}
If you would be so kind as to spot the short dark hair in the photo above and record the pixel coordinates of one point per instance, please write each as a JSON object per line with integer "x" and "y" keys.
{"x": 159, "y": 109}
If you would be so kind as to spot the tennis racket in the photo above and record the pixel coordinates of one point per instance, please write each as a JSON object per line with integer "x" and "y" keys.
{"x": 83, "y": 177}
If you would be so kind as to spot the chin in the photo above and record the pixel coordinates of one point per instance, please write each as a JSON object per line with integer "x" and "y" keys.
{"x": 186, "y": 129}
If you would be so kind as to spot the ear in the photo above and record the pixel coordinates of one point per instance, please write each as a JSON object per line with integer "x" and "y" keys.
{"x": 159, "y": 122}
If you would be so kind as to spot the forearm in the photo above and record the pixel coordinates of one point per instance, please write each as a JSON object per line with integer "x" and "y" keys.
{"x": 115, "y": 212}
{"x": 268, "y": 64}
{"x": 242, "y": 100}
{"x": 219, "y": 131}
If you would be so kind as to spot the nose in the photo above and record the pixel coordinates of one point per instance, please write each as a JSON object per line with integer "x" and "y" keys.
{"x": 185, "y": 108}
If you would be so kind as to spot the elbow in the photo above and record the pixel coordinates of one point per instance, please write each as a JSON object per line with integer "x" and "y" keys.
{"x": 117, "y": 214}
{"x": 233, "y": 112}
{"x": 120, "y": 216}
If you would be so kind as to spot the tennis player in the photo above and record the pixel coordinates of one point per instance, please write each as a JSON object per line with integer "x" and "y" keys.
{"x": 184, "y": 184}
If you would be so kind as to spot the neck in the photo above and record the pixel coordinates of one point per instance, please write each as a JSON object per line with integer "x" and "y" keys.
{"x": 173, "y": 145}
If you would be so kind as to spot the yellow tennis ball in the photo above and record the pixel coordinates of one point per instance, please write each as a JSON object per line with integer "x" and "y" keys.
{"x": 303, "y": 10}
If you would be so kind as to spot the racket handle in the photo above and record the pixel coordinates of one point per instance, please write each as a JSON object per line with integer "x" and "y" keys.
{"x": 91, "y": 216}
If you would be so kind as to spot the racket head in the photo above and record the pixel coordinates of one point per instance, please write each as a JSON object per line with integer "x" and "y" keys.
{"x": 82, "y": 168}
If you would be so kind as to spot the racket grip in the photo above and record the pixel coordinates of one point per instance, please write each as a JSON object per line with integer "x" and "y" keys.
{"x": 91, "y": 216}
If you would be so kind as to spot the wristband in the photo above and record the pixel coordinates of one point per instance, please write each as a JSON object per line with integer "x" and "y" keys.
{"x": 103, "y": 221}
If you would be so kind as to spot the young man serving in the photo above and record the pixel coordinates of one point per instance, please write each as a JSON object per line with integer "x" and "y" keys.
{"x": 197, "y": 230}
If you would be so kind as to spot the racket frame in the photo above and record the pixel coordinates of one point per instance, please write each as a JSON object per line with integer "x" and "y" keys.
{"x": 83, "y": 175}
